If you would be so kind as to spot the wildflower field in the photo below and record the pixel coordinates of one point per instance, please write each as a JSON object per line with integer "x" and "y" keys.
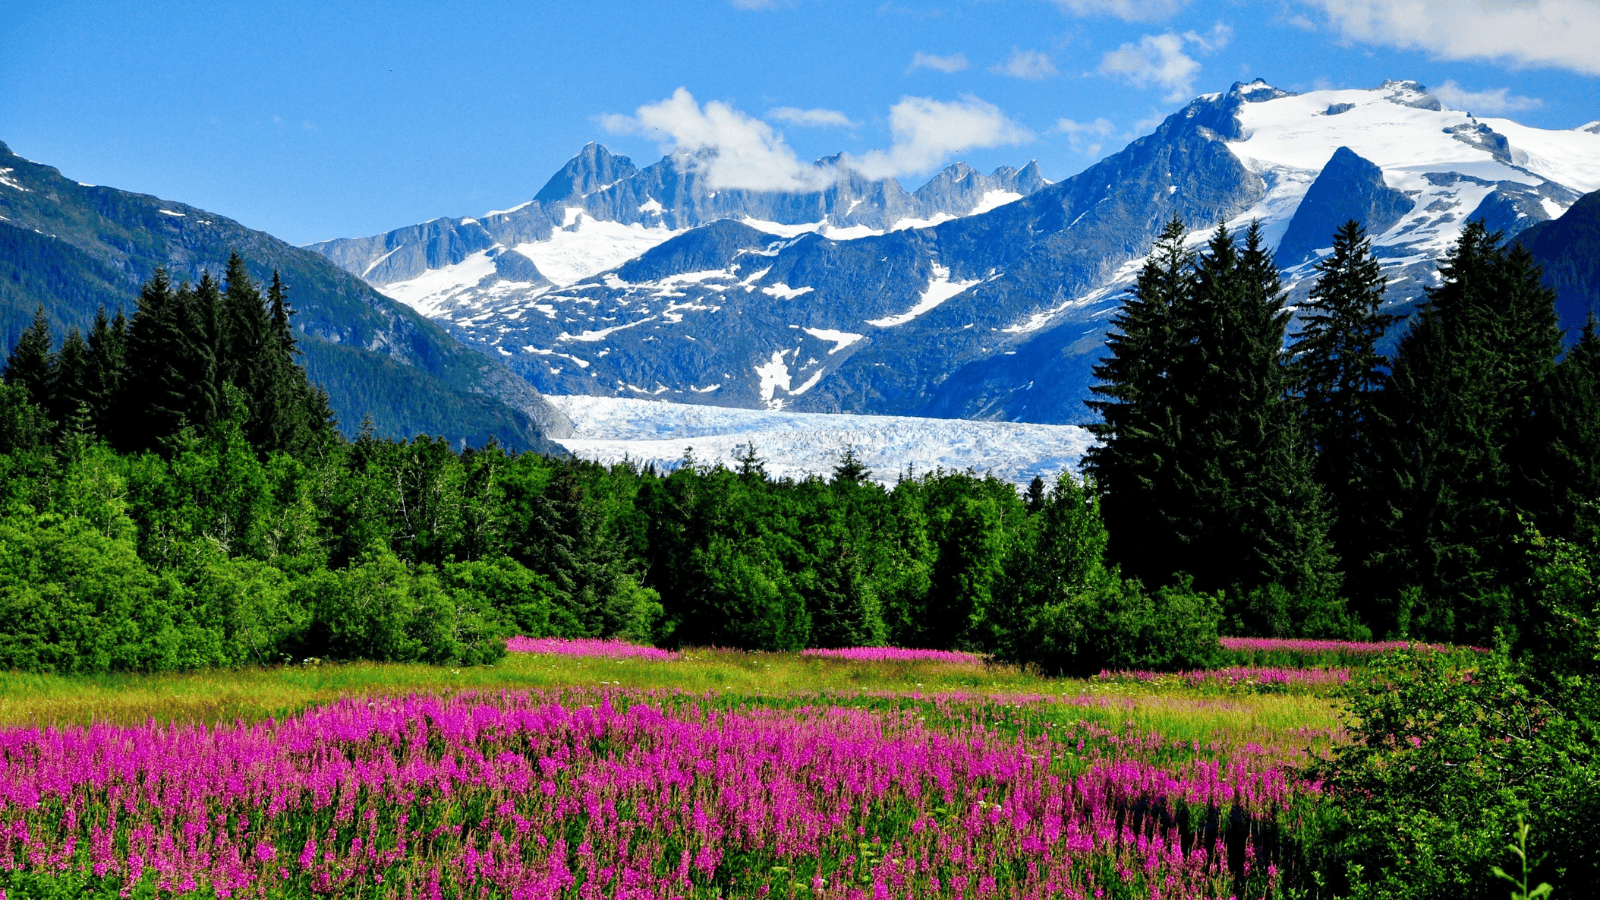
{"x": 630, "y": 775}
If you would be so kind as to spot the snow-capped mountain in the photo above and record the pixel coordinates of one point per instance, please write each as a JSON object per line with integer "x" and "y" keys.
{"x": 600, "y": 211}
{"x": 1000, "y": 313}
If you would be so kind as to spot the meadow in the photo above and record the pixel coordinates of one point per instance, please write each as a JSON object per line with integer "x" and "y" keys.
{"x": 707, "y": 773}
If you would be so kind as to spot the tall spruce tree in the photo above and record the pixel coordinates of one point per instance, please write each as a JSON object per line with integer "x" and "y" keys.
{"x": 108, "y": 340}
{"x": 155, "y": 394}
{"x": 1131, "y": 465}
{"x": 1339, "y": 375}
{"x": 31, "y": 364}
{"x": 292, "y": 412}
{"x": 207, "y": 349}
{"x": 1201, "y": 462}
{"x": 72, "y": 399}
{"x": 1560, "y": 483}
{"x": 1242, "y": 504}
{"x": 1460, "y": 435}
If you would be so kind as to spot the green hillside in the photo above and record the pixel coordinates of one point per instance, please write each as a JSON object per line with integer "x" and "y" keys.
{"x": 73, "y": 248}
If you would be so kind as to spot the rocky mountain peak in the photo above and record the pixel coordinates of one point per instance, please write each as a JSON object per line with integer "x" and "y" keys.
{"x": 593, "y": 169}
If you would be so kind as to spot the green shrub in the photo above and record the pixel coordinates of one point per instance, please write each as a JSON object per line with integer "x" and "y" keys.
{"x": 505, "y": 591}
{"x": 1122, "y": 626}
{"x": 381, "y": 609}
{"x": 1446, "y": 752}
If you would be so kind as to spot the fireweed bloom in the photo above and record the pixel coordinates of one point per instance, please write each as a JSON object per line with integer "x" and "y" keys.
{"x": 896, "y": 654}
{"x": 1303, "y": 652}
{"x": 609, "y": 649}
{"x": 617, "y": 794}
{"x": 1236, "y": 676}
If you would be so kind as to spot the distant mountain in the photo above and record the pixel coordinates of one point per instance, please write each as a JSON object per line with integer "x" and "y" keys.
{"x": 74, "y": 247}
{"x": 599, "y": 211}
{"x": 999, "y": 313}
{"x": 1569, "y": 250}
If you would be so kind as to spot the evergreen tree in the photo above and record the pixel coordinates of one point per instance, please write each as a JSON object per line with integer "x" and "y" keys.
{"x": 1035, "y": 495}
{"x": 31, "y": 364}
{"x": 1138, "y": 443}
{"x": 207, "y": 346}
{"x": 1560, "y": 487}
{"x": 248, "y": 328}
{"x": 1230, "y": 498}
{"x": 108, "y": 347}
{"x": 155, "y": 393}
{"x": 72, "y": 401}
{"x": 1339, "y": 375}
{"x": 289, "y": 411}
{"x": 1460, "y": 412}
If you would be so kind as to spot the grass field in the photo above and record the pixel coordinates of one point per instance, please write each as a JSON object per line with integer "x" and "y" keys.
{"x": 716, "y": 774}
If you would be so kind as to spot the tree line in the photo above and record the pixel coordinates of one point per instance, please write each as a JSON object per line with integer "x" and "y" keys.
{"x": 1323, "y": 485}
{"x": 173, "y": 495}
{"x": 189, "y": 353}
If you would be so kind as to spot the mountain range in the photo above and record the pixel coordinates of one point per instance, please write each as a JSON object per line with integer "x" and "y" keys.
{"x": 73, "y": 247}
{"x": 979, "y": 296}
{"x": 976, "y": 296}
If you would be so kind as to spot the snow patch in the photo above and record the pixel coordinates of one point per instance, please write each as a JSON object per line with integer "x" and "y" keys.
{"x": 379, "y": 261}
{"x": 939, "y": 289}
{"x": 432, "y": 292}
{"x": 784, "y": 292}
{"x": 773, "y": 374}
{"x": 584, "y": 247}
{"x": 10, "y": 182}
{"x": 651, "y": 205}
{"x": 994, "y": 200}
{"x": 506, "y": 212}
{"x": 840, "y": 339}
{"x": 903, "y": 224}
{"x": 540, "y": 351}
{"x": 168, "y": 212}
{"x": 592, "y": 336}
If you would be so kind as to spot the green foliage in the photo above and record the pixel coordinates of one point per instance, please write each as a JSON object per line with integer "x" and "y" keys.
{"x": 23, "y": 426}
{"x": 1446, "y": 752}
{"x": 1068, "y": 614}
{"x": 1123, "y": 626}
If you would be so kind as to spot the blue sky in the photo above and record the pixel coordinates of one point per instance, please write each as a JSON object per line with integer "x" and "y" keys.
{"x": 313, "y": 120}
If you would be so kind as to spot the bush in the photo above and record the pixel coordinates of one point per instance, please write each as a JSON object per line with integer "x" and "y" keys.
{"x": 505, "y": 591}
{"x": 1122, "y": 626}
{"x": 77, "y": 600}
{"x": 380, "y": 609}
{"x": 1447, "y": 751}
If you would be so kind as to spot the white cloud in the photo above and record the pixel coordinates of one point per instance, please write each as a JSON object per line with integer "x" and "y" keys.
{"x": 734, "y": 151}
{"x": 944, "y": 64}
{"x": 1031, "y": 65}
{"x": 1498, "y": 100}
{"x": 1083, "y": 135}
{"x": 815, "y": 118}
{"x": 1126, "y": 10}
{"x": 730, "y": 149}
{"x": 1160, "y": 60}
{"x": 1217, "y": 38}
{"x": 761, "y": 4}
{"x": 1560, "y": 34}
{"x": 926, "y": 132}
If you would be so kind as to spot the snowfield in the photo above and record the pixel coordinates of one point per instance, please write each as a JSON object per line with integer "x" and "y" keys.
{"x": 795, "y": 444}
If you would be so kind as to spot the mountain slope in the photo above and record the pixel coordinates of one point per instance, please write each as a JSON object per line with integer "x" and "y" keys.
{"x": 600, "y": 210}
{"x": 74, "y": 247}
{"x": 1000, "y": 313}
{"x": 1568, "y": 249}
